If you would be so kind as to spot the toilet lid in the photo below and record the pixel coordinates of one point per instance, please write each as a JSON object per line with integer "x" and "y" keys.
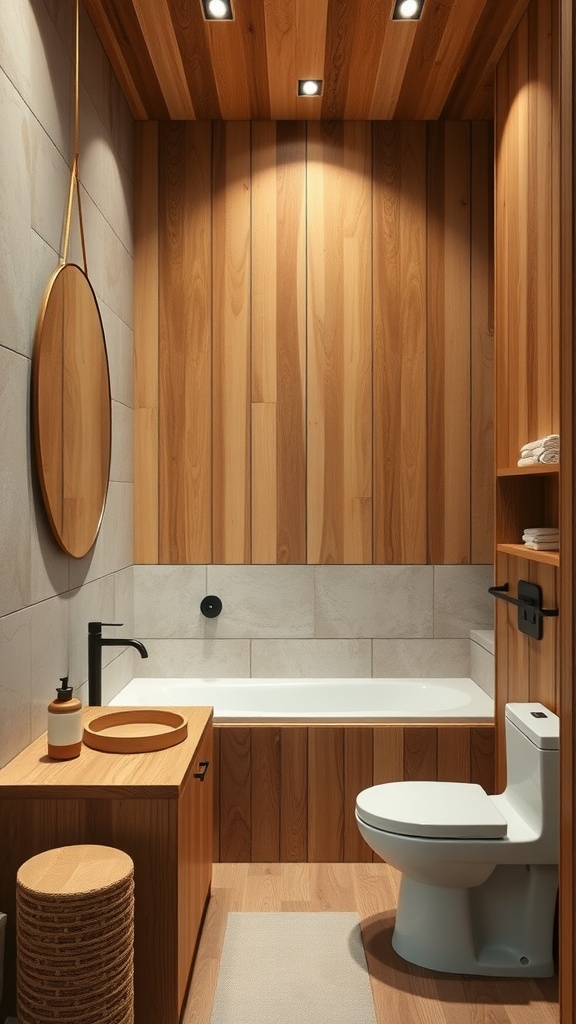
{"x": 437, "y": 810}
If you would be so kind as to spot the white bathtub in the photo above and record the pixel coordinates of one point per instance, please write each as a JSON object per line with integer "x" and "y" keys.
{"x": 317, "y": 700}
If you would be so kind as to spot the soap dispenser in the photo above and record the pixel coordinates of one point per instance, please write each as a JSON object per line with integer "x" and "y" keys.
{"x": 64, "y": 724}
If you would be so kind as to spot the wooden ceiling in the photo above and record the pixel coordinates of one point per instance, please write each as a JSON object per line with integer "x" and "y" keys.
{"x": 172, "y": 64}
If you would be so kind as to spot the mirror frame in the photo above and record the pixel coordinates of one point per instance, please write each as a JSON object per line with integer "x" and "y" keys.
{"x": 72, "y": 409}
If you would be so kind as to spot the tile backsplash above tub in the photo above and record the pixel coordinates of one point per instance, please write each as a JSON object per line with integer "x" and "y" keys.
{"x": 311, "y": 621}
{"x": 482, "y": 661}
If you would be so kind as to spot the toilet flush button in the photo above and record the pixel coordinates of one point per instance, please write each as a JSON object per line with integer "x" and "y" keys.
{"x": 538, "y": 714}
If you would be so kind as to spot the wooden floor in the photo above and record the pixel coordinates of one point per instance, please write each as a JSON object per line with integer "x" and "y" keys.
{"x": 401, "y": 991}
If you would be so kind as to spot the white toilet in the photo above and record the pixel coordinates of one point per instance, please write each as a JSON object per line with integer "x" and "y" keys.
{"x": 479, "y": 873}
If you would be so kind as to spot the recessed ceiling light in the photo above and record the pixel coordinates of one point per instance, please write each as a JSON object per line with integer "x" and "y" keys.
{"x": 309, "y": 86}
{"x": 407, "y": 10}
{"x": 217, "y": 10}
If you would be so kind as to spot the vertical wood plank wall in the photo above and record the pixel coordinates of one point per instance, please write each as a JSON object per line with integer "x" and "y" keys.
{"x": 308, "y": 778}
{"x": 527, "y": 345}
{"x": 146, "y": 331}
{"x": 527, "y": 232}
{"x": 323, "y": 343}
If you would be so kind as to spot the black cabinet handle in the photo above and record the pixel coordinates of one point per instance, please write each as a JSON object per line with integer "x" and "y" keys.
{"x": 203, "y": 769}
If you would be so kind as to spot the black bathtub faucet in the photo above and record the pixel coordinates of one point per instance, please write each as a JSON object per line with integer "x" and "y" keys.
{"x": 95, "y": 644}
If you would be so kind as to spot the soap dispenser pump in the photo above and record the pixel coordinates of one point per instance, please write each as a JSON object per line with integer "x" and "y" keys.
{"x": 64, "y": 724}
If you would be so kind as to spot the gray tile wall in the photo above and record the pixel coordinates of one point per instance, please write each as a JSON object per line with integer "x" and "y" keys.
{"x": 311, "y": 621}
{"x": 46, "y": 598}
{"x": 482, "y": 661}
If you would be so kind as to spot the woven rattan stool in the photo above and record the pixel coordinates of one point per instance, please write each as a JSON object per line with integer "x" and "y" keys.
{"x": 75, "y": 937}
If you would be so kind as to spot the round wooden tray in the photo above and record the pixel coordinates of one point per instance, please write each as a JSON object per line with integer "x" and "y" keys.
{"x": 135, "y": 731}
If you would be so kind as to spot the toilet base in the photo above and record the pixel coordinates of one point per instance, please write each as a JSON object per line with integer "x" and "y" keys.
{"x": 503, "y": 927}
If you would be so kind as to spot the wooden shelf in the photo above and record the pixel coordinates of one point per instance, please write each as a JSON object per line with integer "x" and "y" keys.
{"x": 521, "y": 551}
{"x": 538, "y": 469}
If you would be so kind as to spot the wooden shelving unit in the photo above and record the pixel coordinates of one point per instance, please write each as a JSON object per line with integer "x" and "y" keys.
{"x": 521, "y": 551}
{"x": 542, "y": 469}
{"x": 527, "y": 496}
{"x": 526, "y": 356}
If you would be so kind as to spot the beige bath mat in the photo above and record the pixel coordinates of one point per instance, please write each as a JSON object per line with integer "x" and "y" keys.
{"x": 293, "y": 968}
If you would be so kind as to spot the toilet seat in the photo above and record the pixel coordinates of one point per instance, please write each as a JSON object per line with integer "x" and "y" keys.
{"x": 433, "y": 810}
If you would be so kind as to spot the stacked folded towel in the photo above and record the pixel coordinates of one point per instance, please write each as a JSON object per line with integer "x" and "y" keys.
{"x": 546, "y": 449}
{"x": 542, "y": 538}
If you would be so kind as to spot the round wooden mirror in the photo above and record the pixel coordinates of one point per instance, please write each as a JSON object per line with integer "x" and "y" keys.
{"x": 71, "y": 409}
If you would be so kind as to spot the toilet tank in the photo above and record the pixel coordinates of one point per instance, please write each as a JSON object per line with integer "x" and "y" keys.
{"x": 533, "y": 764}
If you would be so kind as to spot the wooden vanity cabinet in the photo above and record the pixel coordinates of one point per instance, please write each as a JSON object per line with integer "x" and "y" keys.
{"x": 195, "y": 828}
{"x": 155, "y": 808}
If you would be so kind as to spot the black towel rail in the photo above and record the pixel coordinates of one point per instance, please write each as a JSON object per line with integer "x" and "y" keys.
{"x": 529, "y": 604}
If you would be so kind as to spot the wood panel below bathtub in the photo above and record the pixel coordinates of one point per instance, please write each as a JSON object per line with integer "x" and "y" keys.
{"x": 326, "y": 794}
{"x": 482, "y": 767}
{"x": 358, "y": 775}
{"x": 265, "y": 794}
{"x": 294, "y": 795}
{"x": 388, "y": 753}
{"x": 235, "y": 810}
{"x": 287, "y": 793}
{"x": 453, "y": 754}
{"x": 420, "y": 754}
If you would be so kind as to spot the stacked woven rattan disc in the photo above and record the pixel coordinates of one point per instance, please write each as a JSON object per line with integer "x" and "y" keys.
{"x": 75, "y": 937}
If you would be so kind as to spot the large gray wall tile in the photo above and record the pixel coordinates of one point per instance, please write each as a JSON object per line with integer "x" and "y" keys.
{"x": 311, "y": 659}
{"x": 373, "y": 601}
{"x": 262, "y": 601}
{"x": 461, "y": 599}
{"x": 434, "y": 659}
{"x": 167, "y": 600}
{"x": 49, "y": 656}
{"x": 482, "y": 668}
{"x": 195, "y": 659}
{"x": 15, "y": 239}
{"x": 15, "y": 684}
{"x": 15, "y": 499}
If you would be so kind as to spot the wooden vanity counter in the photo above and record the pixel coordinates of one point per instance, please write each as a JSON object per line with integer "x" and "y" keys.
{"x": 150, "y": 805}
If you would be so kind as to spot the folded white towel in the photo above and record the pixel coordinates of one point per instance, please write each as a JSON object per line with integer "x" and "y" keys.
{"x": 554, "y": 541}
{"x": 541, "y": 529}
{"x": 549, "y": 457}
{"x": 527, "y": 461}
{"x": 550, "y": 441}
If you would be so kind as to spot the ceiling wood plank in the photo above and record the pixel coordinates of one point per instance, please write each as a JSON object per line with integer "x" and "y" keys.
{"x": 472, "y": 94}
{"x": 463, "y": 18}
{"x": 173, "y": 64}
{"x": 192, "y": 34}
{"x": 371, "y": 22}
{"x": 395, "y": 54}
{"x": 121, "y": 36}
{"x": 239, "y": 57}
{"x": 295, "y": 44}
{"x": 337, "y": 58}
{"x": 159, "y": 34}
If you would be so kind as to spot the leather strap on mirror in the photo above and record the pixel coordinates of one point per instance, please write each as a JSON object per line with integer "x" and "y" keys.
{"x": 74, "y": 178}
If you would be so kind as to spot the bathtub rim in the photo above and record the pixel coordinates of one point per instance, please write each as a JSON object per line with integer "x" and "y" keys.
{"x": 249, "y": 718}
